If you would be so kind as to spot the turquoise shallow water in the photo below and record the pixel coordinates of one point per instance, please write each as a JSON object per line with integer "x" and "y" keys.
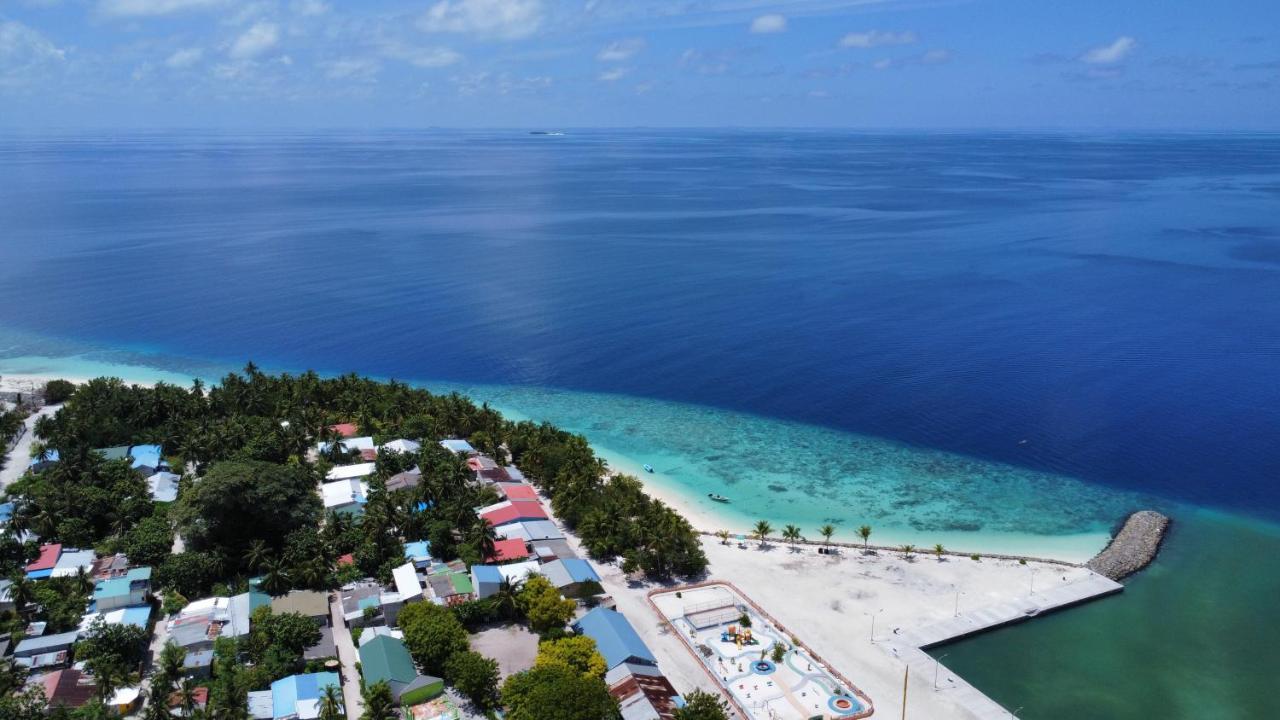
{"x": 786, "y": 472}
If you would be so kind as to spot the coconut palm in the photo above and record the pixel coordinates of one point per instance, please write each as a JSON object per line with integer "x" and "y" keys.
{"x": 791, "y": 534}
{"x": 378, "y": 703}
{"x": 939, "y": 550}
{"x": 187, "y": 697}
{"x": 724, "y": 536}
{"x": 762, "y": 530}
{"x": 826, "y": 531}
{"x": 908, "y": 551}
{"x": 257, "y": 553}
{"x": 864, "y": 532}
{"x": 331, "y": 703}
{"x": 275, "y": 577}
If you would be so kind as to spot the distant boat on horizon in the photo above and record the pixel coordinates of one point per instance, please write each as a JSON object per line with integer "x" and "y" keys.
{"x": 545, "y": 132}
{"x": 718, "y": 498}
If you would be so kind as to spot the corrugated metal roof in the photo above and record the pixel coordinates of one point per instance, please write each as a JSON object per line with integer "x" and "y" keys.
{"x": 616, "y": 640}
{"x": 386, "y": 658}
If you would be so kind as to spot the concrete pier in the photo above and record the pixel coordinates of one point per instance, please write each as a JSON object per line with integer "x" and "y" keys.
{"x": 910, "y": 645}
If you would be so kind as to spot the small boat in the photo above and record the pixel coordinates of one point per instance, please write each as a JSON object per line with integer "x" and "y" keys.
{"x": 718, "y": 498}
{"x": 648, "y": 468}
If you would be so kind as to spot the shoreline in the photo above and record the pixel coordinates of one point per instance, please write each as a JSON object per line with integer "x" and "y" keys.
{"x": 701, "y": 513}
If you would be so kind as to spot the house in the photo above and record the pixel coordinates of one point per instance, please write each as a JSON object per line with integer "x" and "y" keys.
{"x": 488, "y": 579}
{"x": 571, "y": 576}
{"x": 358, "y": 598}
{"x": 408, "y": 586}
{"x": 137, "y": 616}
{"x": 198, "y": 664}
{"x": 358, "y": 471}
{"x": 203, "y": 621}
{"x": 516, "y": 491}
{"x": 42, "y": 566}
{"x": 508, "y": 550}
{"x": 260, "y": 705}
{"x": 385, "y": 658}
{"x": 6, "y": 599}
{"x": 377, "y": 631}
{"x": 45, "y": 645}
{"x": 72, "y": 562}
{"x": 461, "y": 447}
{"x": 352, "y": 444}
{"x": 408, "y": 447}
{"x": 346, "y": 496}
{"x": 199, "y": 700}
{"x": 406, "y": 480}
{"x": 163, "y": 486}
{"x": 298, "y": 696}
{"x": 510, "y": 511}
{"x": 549, "y": 550}
{"x": 125, "y": 700}
{"x": 514, "y": 473}
{"x": 325, "y": 647}
{"x": 69, "y": 688}
{"x": 418, "y": 553}
{"x": 346, "y": 430}
{"x": 110, "y": 566}
{"x": 530, "y": 530}
{"x": 616, "y": 640}
{"x": 132, "y": 589}
{"x": 642, "y": 692}
{"x": 307, "y": 603}
{"x": 147, "y": 459}
{"x": 450, "y": 586}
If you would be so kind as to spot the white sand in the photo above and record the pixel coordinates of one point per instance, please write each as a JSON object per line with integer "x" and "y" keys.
{"x": 824, "y": 600}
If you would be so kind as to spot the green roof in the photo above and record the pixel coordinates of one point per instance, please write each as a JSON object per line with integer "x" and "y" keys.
{"x": 120, "y": 452}
{"x": 386, "y": 658}
{"x": 462, "y": 582}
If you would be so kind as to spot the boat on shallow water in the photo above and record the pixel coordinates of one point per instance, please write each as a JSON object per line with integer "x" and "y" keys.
{"x": 718, "y": 498}
{"x": 648, "y": 468}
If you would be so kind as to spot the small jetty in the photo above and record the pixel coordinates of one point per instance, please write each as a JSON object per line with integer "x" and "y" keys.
{"x": 1133, "y": 548}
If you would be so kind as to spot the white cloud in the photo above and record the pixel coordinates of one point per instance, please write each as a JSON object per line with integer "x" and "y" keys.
{"x": 621, "y": 50}
{"x": 423, "y": 57}
{"x": 877, "y": 38}
{"x": 614, "y": 74}
{"x": 310, "y": 8}
{"x": 1111, "y": 53}
{"x": 184, "y": 58}
{"x": 151, "y": 8}
{"x": 882, "y": 64}
{"x": 507, "y": 19}
{"x": 258, "y": 39}
{"x": 24, "y": 52}
{"x": 935, "y": 57}
{"x": 772, "y": 23}
{"x": 500, "y": 84}
{"x": 356, "y": 69}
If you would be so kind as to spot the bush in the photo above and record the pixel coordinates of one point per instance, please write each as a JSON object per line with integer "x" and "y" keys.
{"x": 57, "y": 392}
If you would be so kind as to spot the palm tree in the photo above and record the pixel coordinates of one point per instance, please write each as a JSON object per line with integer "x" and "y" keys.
{"x": 187, "y": 697}
{"x": 484, "y": 536}
{"x": 907, "y": 551}
{"x": 826, "y": 531}
{"x": 791, "y": 534}
{"x": 762, "y": 530}
{"x": 724, "y": 536}
{"x": 864, "y": 532}
{"x": 938, "y": 550}
{"x": 256, "y": 554}
{"x": 275, "y": 577}
{"x": 331, "y": 703}
{"x": 506, "y": 600}
{"x": 21, "y": 593}
{"x": 378, "y": 704}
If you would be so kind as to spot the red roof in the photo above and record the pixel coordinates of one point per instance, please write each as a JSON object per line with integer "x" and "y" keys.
{"x": 518, "y": 491}
{"x": 369, "y": 455}
{"x": 513, "y": 549}
{"x": 348, "y": 559}
{"x": 517, "y": 510}
{"x": 65, "y": 687}
{"x": 346, "y": 430}
{"x": 48, "y": 558}
{"x": 200, "y": 695}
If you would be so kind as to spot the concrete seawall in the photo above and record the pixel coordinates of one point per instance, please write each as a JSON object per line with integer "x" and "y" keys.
{"x": 1133, "y": 548}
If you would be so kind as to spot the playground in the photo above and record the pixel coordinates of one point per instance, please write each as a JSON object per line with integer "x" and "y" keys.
{"x": 769, "y": 676}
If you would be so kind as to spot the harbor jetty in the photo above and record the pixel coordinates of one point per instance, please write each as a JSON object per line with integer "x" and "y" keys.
{"x": 1133, "y": 548}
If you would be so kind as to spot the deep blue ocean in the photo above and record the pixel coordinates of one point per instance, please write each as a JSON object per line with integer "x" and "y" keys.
{"x": 977, "y": 338}
{"x": 1105, "y": 307}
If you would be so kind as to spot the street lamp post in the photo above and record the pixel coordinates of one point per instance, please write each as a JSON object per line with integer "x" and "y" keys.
{"x": 873, "y": 615}
{"x": 958, "y": 594}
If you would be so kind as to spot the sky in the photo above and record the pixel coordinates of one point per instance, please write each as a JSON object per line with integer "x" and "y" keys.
{"x": 873, "y": 64}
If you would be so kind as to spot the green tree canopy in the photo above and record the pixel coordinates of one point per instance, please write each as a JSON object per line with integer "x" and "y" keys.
{"x": 577, "y": 652}
{"x": 475, "y": 676}
{"x": 433, "y": 634}
{"x": 559, "y": 690}
{"x": 543, "y": 605}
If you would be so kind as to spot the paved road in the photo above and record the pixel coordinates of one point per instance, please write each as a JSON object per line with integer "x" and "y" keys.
{"x": 16, "y": 463}
{"x": 348, "y": 657}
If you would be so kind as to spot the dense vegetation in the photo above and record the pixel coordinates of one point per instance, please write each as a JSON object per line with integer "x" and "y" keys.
{"x": 247, "y": 506}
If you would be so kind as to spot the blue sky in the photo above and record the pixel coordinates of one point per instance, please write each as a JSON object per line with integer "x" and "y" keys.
{"x": 1086, "y": 64}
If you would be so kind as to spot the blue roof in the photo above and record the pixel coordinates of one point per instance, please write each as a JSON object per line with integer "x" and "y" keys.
{"x": 415, "y": 550}
{"x": 145, "y": 455}
{"x": 458, "y": 446}
{"x": 137, "y": 615}
{"x": 39, "y": 574}
{"x": 580, "y": 570}
{"x": 616, "y": 640}
{"x": 286, "y": 693}
{"x": 6, "y": 512}
{"x": 486, "y": 573}
{"x": 116, "y": 587}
